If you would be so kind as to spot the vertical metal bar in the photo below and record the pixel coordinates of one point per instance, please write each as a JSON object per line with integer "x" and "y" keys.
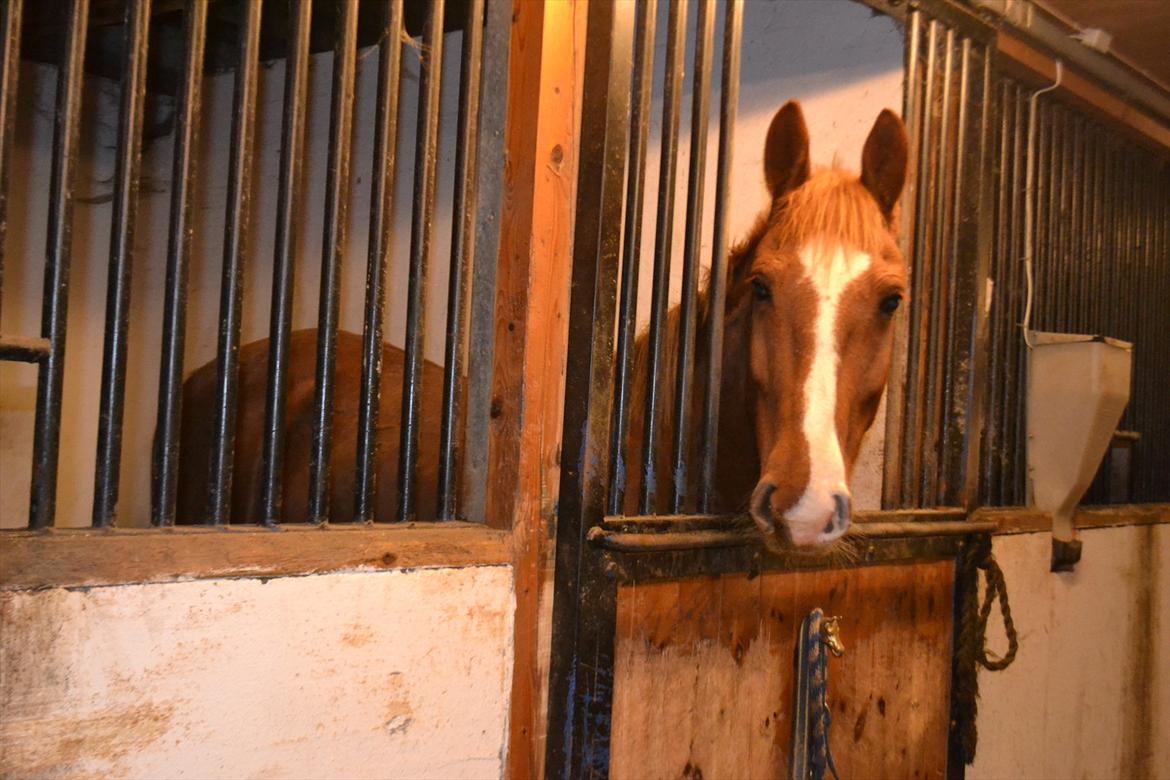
{"x": 421, "y": 229}
{"x": 631, "y": 248}
{"x": 9, "y": 85}
{"x": 170, "y": 381}
{"x": 919, "y": 313}
{"x": 956, "y": 264}
{"x": 899, "y": 415}
{"x": 462, "y": 248}
{"x": 112, "y": 392}
{"x": 332, "y": 249}
{"x": 58, "y": 253}
{"x": 239, "y": 197}
{"x": 939, "y": 276}
{"x": 1018, "y": 353}
{"x": 490, "y": 159}
{"x": 378, "y": 260}
{"x": 664, "y": 233}
{"x": 717, "y": 288}
{"x": 688, "y": 312}
{"x": 1000, "y": 307}
{"x": 584, "y": 597}
{"x": 288, "y": 211}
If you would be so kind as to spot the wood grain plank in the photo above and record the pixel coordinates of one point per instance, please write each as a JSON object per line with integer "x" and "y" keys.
{"x": 91, "y": 558}
{"x": 888, "y": 694}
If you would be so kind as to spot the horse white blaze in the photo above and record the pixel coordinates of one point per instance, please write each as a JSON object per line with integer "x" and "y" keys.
{"x": 830, "y": 269}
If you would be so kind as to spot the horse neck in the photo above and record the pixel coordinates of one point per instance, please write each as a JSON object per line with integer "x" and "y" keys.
{"x": 734, "y": 422}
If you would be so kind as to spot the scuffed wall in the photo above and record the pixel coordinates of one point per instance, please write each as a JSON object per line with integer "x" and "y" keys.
{"x": 1089, "y": 693}
{"x": 387, "y": 674}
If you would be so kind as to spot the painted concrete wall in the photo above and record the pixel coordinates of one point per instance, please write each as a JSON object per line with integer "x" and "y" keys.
{"x": 1089, "y": 693}
{"x": 844, "y": 65}
{"x": 386, "y": 674}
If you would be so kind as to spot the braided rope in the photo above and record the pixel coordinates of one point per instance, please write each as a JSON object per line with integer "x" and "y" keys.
{"x": 971, "y": 647}
{"x": 817, "y": 659}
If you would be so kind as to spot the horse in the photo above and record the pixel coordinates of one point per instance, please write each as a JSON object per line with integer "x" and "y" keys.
{"x": 811, "y": 293}
{"x": 195, "y": 433}
{"x": 808, "y": 335}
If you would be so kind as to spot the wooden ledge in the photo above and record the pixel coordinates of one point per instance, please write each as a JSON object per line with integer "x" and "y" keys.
{"x": 90, "y": 558}
{"x": 1023, "y": 520}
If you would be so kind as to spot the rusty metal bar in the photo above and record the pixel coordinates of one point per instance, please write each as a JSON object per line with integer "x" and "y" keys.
{"x": 717, "y": 288}
{"x": 58, "y": 254}
{"x": 164, "y": 482}
{"x": 239, "y": 196}
{"x": 421, "y": 231}
{"x": 378, "y": 259}
{"x": 112, "y": 392}
{"x": 688, "y": 308}
{"x": 332, "y": 252}
{"x": 288, "y": 213}
{"x": 462, "y": 249}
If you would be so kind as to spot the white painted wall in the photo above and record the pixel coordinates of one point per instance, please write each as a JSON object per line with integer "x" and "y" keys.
{"x": 24, "y": 265}
{"x": 844, "y": 65}
{"x": 1089, "y": 693}
{"x": 362, "y": 674}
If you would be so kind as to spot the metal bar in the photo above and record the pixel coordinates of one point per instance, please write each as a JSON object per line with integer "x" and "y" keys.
{"x": 584, "y": 598}
{"x": 939, "y": 277}
{"x": 631, "y": 247}
{"x": 10, "y": 16}
{"x": 58, "y": 253}
{"x": 1000, "y": 309}
{"x": 899, "y": 416}
{"x": 112, "y": 392}
{"x": 660, "y": 541}
{"x": 332, "y": 251}
{"x": 165, "y": 473}
{"x": 688, "y": 311}
{"x": 717, "y": 287}
{"x": 490, "y": 159}
{"x": 664, "y": 233}
{"x": 421, "y": 230}
{"x": 239, "y": 197}
{"x": 960, "y": 289}
{"x": 378, "y": 260}
{"x": 919, "y": 313}
{"x": 285, "y": 250}
{"x": 24, "y": 350}
{"x": 462, "y": 248}
{"x": 1013, "y": 404}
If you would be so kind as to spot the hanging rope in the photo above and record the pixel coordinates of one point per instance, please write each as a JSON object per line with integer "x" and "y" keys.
{"x": 971, "y": 651}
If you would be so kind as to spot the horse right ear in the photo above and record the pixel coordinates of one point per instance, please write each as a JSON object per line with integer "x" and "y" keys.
{"x": 786, "y": 163}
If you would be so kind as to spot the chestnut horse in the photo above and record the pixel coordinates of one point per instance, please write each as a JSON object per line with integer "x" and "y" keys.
{"x": 807, "y": 339}
{"x": 811, "y": 294}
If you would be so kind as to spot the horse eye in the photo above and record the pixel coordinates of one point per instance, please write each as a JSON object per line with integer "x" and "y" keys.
{"x": 889, "y": 304}
{"x": 760, "y": 290}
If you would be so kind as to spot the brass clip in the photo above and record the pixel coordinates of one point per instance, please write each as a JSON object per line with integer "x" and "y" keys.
{"x": 831, "y": 635}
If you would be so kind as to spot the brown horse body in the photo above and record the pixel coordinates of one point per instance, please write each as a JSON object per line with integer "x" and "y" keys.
{"x": 199, "y": 397}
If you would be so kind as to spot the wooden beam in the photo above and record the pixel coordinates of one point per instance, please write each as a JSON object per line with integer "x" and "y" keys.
{"x": 91, "y": 558}
{"x": 1025, "y": 520}
{"x": 546, "y": 63}
{"x": 1083, "y": 92}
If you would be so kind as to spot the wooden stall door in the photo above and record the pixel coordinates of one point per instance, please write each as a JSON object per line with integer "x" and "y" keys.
{"x": 703, "y": 672}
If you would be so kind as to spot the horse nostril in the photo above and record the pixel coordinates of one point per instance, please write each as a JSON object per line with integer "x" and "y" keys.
{"x": 841, "y": 512}
{"x": 762, "y": 506}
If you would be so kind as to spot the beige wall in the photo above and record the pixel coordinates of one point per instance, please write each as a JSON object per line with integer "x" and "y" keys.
{"x": 360, "y": 674}
{"x": 1089, "y": 693}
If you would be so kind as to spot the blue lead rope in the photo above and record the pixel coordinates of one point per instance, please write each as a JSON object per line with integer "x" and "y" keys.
{"x": 811, "y": 754}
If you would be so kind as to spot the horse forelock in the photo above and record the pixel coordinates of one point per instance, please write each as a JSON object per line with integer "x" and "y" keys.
{"x": 832, "y": 207}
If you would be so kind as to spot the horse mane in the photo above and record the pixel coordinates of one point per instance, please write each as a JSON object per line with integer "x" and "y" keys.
{"x": 832, "y": 202}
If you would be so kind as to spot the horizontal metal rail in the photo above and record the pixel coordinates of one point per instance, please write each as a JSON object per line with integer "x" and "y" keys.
{"x": 23, "y": 350}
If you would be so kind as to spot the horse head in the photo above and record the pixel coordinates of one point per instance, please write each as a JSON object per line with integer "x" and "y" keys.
{"x": 814, "y": 295}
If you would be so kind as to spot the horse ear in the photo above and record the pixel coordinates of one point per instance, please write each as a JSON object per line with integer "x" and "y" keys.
{"x": 883, "y": 161}
{"x": 786, "y": 164}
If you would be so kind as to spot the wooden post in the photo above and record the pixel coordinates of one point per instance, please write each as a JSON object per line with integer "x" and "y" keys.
{"x": 546, "y": 62}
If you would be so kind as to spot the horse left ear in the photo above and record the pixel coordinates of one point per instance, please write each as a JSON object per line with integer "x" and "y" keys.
{"x": 883, "y": 161}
